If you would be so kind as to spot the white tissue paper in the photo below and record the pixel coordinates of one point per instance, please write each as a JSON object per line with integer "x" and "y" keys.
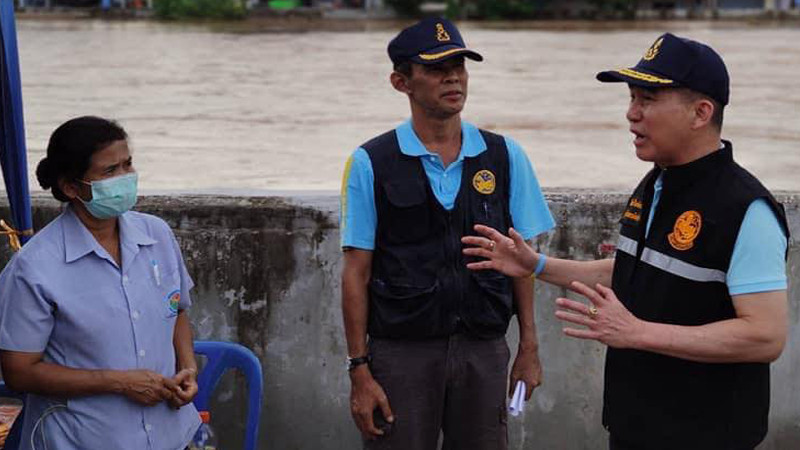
{"x": 517, "y": 404}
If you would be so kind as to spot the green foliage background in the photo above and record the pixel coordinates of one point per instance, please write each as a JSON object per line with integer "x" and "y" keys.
{"x": 199, "y": 9}
{"x": 519, "y": 9}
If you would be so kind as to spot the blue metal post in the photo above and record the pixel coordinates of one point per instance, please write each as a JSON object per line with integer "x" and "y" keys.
{"x": 12, "y": 129}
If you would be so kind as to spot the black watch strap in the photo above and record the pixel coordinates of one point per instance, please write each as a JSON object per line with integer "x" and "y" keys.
{"x": 352, "y": 363}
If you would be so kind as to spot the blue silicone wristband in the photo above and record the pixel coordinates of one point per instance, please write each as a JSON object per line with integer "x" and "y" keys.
{"x": 540, "y": 265}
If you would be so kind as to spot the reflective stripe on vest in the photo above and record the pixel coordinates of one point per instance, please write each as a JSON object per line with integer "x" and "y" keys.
{"x": 670, "y": 264}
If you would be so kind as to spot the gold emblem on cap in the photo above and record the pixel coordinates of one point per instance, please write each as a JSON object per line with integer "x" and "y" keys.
{"x": 686, "y": 229}
{"x": 484, "y": 182}
{"x": 652, "y": 52}
{"x": 441, "y": 33}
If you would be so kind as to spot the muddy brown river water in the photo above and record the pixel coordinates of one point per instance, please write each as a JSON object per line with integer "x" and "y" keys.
{"x": 214, "y": 111}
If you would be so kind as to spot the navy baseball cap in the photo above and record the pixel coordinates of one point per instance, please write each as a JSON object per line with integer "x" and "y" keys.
{"x": 429, "y": 41}
{"x": 673, "y": 61}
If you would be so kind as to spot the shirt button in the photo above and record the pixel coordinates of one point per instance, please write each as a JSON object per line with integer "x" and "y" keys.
{"x": 148, "y": 427}
{"x": 141, "y": 353}
{"x": 135, "y": 315}
{"x": 124, "y": 279}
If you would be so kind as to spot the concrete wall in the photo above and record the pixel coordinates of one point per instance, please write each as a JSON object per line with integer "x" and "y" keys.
{"x": 267, "y": 276}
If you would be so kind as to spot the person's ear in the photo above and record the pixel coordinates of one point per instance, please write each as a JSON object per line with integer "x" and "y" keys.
{"x": 703, "y": 113}
{"x": 69, "y": 188}
{"x": 399, "y": 82}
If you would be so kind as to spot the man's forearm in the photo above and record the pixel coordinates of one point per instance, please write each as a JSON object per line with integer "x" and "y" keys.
{"x": 523, "y": 298}
{"x": 562, "y": 272}
{"x": 756, "y": 334}
{"x": 728, "y": 341}
{"x": 355, "y": 307}
{"x": 183, "y": 343}
{"x": 354, "y": 312}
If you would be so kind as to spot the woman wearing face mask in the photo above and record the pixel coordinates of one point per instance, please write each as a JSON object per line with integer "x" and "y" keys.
{"x": 93, "y": 322}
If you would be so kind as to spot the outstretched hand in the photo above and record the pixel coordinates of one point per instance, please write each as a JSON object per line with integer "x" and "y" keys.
{"x": 511, "y": 256}
{"x": 606, "y": 319}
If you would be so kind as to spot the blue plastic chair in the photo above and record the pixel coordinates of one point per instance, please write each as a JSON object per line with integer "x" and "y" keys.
{"x": 221, "y": 357}
{"x": 12, "y": 441}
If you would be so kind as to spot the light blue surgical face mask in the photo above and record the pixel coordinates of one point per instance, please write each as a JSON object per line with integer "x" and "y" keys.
{"x": 113, "y": 196}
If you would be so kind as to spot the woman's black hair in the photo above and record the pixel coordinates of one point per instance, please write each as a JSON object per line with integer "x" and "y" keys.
{"x": 70, "y": 150}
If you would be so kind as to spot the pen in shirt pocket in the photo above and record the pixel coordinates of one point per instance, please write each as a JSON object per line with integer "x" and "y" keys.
{"x": 156, "y": 273}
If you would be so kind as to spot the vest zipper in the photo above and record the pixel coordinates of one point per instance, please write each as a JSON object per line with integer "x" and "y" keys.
{"x": 454, "y": 247}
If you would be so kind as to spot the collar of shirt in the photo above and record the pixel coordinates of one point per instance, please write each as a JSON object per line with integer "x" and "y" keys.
{"x": 676, "y": 177}
{"x": 472, "y": 143}
{"x": 79, "y": 242}
{"x": 659, "y": 185}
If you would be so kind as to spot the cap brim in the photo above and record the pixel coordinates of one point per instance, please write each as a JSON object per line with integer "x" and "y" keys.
{"x": 635, "y": 77}
{"x": 440, "y": 54}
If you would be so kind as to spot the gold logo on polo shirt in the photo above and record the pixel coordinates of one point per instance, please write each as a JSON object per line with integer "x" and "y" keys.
{"x": 441, "y": 33}
{"x": 652, "y": 52}
{"x": 686, "y": 229}
{"x": 484, "y": 182}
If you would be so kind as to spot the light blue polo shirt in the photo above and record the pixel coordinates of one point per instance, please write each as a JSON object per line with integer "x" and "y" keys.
{"x": 358, "y": 217}
{"x": 64, "y": 295}
{"x": 758, "y": 262}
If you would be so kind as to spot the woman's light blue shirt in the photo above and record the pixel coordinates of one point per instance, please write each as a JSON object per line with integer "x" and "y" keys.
{"x": 64, "y": 295}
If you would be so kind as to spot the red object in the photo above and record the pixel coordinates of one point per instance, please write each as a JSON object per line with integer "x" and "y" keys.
{"x": 205, "y": 416}
{"x": 606, "y": 249}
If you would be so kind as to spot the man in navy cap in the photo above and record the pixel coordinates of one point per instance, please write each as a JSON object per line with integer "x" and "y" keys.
{"x": 696, "y": 308}
{"x": 437, "y": 358}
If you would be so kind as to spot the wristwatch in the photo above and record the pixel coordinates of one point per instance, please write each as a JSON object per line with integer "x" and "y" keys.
{"x": 352, "y": 363}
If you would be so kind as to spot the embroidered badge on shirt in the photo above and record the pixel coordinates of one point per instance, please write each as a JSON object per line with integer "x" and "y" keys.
{"x": 484, "y": 182}
{"x": 634, "y": 210}
{"x": 173, "y": 299}
{"x": 652, "y": 52}
{"x": 441, "y": 34}
{"x": 685, "y": 231}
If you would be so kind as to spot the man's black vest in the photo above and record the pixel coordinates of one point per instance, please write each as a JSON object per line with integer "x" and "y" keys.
{"x": 420, "y": 287}
{"x": 677, "y": 276}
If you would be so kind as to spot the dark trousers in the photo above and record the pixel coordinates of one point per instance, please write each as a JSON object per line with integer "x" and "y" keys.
{"x": 455, "y": 385}
{"x": 615, "y": 443}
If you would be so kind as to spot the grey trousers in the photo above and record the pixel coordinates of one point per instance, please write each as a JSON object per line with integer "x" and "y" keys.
{"x": 455, "y": 385}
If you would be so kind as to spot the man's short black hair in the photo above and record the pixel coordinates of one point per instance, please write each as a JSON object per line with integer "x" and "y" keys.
{"x": 404, "y": 67}
{"x": 719, "y": 108}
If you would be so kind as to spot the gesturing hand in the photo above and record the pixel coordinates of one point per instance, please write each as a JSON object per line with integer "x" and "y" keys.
{"x": 606, "y": 319}
{"x": 186, "y": 383}
{"x": 510, "y": 256}
{"x": 147, "y": 387}
{"x": 366, "y": 395}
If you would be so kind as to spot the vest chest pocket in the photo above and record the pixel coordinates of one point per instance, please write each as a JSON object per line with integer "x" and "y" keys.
{"x": 489, "y": 210}
{"x": 408, "y": 215}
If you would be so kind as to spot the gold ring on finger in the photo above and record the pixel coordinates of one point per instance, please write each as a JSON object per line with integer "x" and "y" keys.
{"x": 593, "y": 311}
{"x": 491, "y": 246}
